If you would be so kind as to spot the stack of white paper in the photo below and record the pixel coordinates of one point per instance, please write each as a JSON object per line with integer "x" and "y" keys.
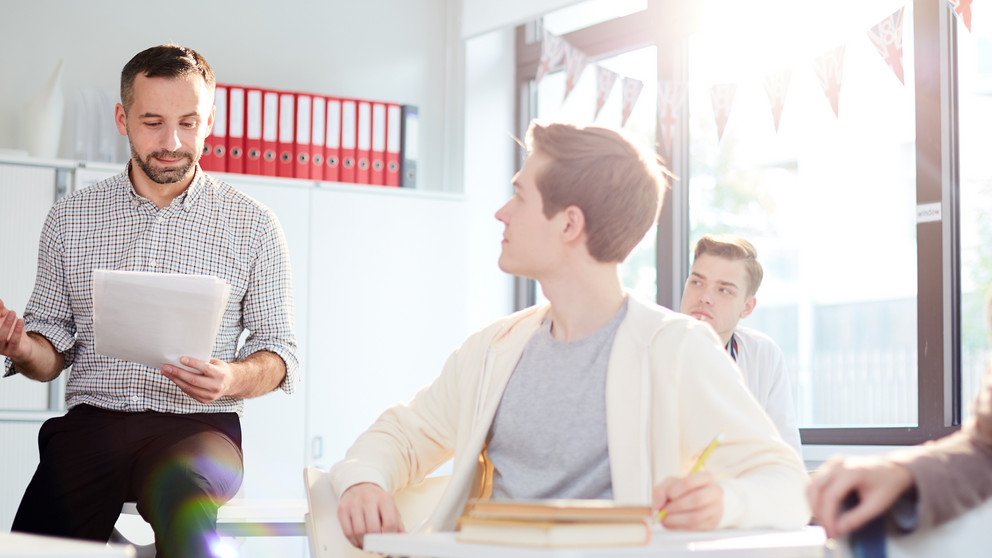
{"x": 155, "y": 318}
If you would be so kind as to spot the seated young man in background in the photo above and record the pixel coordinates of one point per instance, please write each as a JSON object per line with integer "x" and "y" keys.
{"x": 720, "y": 291}
{"x": 594, "y": 395}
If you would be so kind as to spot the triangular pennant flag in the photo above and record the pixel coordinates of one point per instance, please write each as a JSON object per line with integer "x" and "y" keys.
{"x": 551, "y": 53}
{"x": 723, "y": 98}
{"x": 777, "y": 85}
{"x": 631, "y": 91}
{"x": 829, "y": 67}
{"x": 575, "y": 62}
{"x": 604, "y": 84}
{"x": 671, "y": 95}
{"x": 963, "y": 9}
{"x": 887, "y": 38}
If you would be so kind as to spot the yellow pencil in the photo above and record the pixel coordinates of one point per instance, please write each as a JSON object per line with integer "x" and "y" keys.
{"x": 700, "y": 461}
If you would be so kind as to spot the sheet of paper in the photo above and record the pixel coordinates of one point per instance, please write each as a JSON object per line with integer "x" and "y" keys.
{"x": 155, "y": 318}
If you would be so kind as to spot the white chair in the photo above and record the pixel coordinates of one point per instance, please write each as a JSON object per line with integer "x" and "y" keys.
{"x": 415, "y": 504}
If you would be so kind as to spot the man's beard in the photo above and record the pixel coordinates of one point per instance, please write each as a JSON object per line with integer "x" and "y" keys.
{"x": 164, "y": 176}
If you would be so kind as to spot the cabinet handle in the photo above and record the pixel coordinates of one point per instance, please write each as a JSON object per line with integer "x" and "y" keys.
{"x": 316, "y": 447}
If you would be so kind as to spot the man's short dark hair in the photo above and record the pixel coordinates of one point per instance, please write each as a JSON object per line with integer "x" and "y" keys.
{"x": 170, "y": 61}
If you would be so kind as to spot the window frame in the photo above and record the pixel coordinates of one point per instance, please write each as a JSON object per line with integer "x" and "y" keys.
{"x": 667, "y": 25}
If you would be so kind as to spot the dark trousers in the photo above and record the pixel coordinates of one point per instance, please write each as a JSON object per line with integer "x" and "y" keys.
{"x": 178, "y": 468}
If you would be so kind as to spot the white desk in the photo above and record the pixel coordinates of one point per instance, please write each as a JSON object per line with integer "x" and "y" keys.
{"x": 22, "y": 545}
{"x": 805, "y": 543}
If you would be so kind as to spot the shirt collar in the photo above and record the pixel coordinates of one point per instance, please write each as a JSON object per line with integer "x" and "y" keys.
{"x": 186, "y": 199}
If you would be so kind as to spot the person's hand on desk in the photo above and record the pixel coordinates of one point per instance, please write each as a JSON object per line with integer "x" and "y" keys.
{"x": 693, "y": 503}
{"x": 367, "y": 508}
{"x": 877, "y": 481}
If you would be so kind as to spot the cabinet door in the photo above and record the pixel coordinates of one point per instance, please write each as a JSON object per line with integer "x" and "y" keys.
{"x": 273, "y": 426}
{"x": 388, "y": 297}
{"x": 26, "y": 195}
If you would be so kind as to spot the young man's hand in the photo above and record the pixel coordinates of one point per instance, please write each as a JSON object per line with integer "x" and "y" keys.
{"x": 693, "y": 503}
{"x": 367, "y": 508}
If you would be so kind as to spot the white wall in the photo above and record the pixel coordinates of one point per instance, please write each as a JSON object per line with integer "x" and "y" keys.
{"x": 376, "y": 49}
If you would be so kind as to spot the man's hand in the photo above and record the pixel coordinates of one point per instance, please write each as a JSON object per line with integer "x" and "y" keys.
{"x": 32, "y": 354}
{"x": 214, "y": 380}
{"x": 877, "y": 481}
{"x": 14, "y": 343}
{"x": 693, "y": 503}
{"x": 367, "y": 508}
{"x": 255, "y": 375}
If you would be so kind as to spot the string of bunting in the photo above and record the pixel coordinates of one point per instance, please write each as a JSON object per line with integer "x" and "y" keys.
{"x": 886, "y": 36}
{"x": 555, "y": 50}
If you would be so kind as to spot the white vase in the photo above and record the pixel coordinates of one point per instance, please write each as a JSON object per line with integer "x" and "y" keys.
{"x": 43, "y": 117}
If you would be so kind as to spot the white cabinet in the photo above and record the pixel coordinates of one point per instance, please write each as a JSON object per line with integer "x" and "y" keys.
{"x": 388, "y": 304}
{"x": 26, "y": 194}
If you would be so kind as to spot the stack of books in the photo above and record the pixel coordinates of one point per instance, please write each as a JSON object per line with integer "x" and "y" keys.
{"x": 555, "y": 523}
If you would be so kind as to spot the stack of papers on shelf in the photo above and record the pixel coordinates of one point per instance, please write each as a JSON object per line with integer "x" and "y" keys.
{"x": 555, "y": 523}
{"x": 155, "y": 318}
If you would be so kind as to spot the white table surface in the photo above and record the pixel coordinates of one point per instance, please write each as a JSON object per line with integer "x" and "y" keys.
{"x": 23, "y": 545}
{"x": 808, "y": 542}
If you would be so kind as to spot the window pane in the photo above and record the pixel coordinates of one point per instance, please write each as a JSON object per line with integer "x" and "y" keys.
{"x": 829, "y": 201}
{"x": 639, "y": 271}
{"x": 975, "y": 112}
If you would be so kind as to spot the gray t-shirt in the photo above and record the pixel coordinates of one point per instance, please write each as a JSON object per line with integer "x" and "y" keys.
{"x": 548, "y": 438}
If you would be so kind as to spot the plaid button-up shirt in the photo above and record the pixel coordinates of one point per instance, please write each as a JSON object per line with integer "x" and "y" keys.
{"x": 211, "y": 229}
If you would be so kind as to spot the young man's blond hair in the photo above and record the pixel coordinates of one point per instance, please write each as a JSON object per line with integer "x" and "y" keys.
{"x": 616, "y": 185}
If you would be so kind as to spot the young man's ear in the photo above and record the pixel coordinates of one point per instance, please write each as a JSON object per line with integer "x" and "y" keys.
{"x": 575, "y": 223}
{"x": 749, "y": 306}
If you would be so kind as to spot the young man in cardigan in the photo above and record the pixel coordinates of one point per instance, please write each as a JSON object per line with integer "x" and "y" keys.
{"x": 595, "y": 395}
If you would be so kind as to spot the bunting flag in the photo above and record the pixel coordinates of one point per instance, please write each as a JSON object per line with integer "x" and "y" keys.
{"x": 604, "y": 84}
{"x": 963, "y": 9}
{"x": 723, "y": 98}
{"x": 575, "y": 62}
{"x": 671, "y": 95}
{"x": 887, "y": 38}
{"x": 829, "y": 67}
{"x": 777, "y": 85}
{"x": 631, "y": 91}
{"x": 552, "y": 49}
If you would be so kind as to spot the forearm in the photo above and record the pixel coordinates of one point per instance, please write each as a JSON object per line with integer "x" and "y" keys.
{"x": 44, "y": 363}
{"x": 257, "y": 374}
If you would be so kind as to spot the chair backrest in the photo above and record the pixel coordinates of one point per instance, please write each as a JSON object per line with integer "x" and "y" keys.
{"x": 415, "y": 504}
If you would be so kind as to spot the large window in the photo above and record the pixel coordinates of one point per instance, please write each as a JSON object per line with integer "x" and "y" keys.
{"x": 974, "y": 71}
{"x": 828, "y": 198}
{"x": 849, "y": 192}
